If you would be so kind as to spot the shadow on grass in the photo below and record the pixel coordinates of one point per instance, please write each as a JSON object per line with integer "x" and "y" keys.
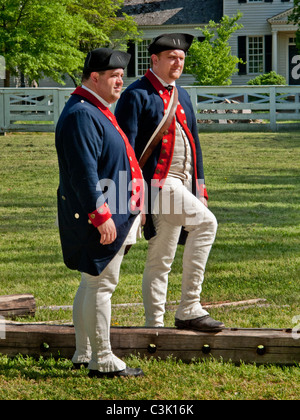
{"x": 37, "y": 369}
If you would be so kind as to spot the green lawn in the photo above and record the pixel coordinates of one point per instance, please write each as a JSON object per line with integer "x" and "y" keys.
{"x": 253, "y": 182}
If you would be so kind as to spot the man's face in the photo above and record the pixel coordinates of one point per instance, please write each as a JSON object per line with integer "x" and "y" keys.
{"x": 168, "y": 65}
{"x": 108, "y": 84}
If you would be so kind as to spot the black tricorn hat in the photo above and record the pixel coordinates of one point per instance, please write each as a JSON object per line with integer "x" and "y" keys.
{"x": 170, "y": 42}
{"x": 102, "y": 59}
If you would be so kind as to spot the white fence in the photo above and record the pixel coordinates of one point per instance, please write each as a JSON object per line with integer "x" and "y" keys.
{"x": 217, "y": 108}
{"x": 31, "y": 109}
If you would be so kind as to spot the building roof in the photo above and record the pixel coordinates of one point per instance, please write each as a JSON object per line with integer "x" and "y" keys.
{"x": 173, "y": 12}
{"x": 281, "y": 18}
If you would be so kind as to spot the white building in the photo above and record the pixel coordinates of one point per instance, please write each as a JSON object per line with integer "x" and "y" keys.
{"x": 266, "y": 42}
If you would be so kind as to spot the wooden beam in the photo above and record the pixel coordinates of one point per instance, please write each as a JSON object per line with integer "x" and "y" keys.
{"x": 17, "y": 305}
{"x": 236, "y": 345}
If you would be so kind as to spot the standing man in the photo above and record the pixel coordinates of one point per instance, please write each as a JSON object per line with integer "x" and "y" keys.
{"x": 100, "y": 191}
{"x": 177, "y": 197}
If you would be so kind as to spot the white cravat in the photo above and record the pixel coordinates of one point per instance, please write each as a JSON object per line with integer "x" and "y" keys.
{"x": 97, "y": 96}
{"x": 165, "y": 84}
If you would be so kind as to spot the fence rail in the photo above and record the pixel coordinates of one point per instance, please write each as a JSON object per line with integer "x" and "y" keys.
{"x": 217, "y": 108}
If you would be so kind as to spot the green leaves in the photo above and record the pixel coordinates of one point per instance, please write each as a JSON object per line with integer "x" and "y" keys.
{"x": 51, "y": 38}
{"x": 210, "y": 61}
{"x": 271, "y": 78}
{"x": 294, "y": 18}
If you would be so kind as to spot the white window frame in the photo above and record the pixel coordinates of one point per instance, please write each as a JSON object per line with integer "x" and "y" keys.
{"x": 142, "y": 57}
{"x": 258, "y": 56}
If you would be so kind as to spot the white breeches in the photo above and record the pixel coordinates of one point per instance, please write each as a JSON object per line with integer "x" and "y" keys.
{"x": 176, "y": 206}
{"x": 92, "y": 314}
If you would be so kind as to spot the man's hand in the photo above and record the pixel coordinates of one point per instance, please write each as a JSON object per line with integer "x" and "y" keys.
{"x": 108, "y": 232}
{"x": 204, "y": 201}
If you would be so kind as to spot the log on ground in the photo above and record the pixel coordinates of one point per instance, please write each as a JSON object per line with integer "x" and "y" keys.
{"x": 260, "y": 346}
{"x": 17, "y": 305}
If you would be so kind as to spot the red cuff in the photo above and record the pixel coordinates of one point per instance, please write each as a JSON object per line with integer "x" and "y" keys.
{"x": 101, "y": 215}
{"x": 202, "y": 191}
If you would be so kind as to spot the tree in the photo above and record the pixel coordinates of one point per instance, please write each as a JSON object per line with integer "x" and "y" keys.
{"x": 294, "y": 17}
{"x": 210, "y": 60}
{"x": 106, "y": 25}
{"x": 51, "y": 37}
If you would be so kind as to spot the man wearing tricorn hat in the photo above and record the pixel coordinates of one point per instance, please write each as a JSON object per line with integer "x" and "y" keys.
{"x": 97, "y": 216}
{"x": 159, "y": 121}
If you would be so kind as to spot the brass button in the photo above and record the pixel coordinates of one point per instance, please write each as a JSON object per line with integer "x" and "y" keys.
{"x": 161, "y": 161}
{"x": 157, "y": 171}
{"x": 165, "y": 141}
{"x": 92, "y": 216}
{"x": 76, "y": 215}
{"x": 63, "y": 197}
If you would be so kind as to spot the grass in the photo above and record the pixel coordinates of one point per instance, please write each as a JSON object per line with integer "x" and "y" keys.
{"x": 253, "y": 182}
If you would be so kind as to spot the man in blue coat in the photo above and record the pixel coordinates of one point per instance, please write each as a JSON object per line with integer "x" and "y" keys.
{"x": 99, "y": 198}
{"x": 177, "y": 196}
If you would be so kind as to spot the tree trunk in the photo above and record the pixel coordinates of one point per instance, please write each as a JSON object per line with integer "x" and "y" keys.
{"x": 7, "y": 79}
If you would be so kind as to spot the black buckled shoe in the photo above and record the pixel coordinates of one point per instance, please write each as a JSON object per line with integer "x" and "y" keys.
{"x": 126, "y": 372}
{"x": 203, "y": 323}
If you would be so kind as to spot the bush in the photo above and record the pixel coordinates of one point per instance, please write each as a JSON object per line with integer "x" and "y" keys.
{"x": 271, "y": 78}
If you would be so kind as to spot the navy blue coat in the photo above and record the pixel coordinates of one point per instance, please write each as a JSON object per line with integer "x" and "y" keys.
{"x": 89, "y": 149}
{"x": 139, "y": 111}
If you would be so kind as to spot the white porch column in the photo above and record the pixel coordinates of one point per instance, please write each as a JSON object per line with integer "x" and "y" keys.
{"x": 274, "y": 50}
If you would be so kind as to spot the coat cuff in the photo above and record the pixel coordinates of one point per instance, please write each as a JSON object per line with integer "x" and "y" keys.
{"x": 100, "y": 216}
{"x": 203, "y": 191}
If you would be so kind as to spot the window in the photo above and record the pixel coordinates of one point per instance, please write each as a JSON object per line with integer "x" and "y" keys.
{"x": 255, "y": 54}
{"x": 143, "y": 59}
{"x": 252, "y": 1}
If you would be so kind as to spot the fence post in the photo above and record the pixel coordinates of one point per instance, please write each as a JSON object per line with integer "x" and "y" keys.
{"x": 59, "y": 104}
{"x": 272, "y": 99}
{"x": 194, "y": 99}
{"x": 55, "y": 106}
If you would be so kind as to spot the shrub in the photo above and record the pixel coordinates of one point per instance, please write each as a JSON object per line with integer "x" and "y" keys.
{"x": 271, "y": 78}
